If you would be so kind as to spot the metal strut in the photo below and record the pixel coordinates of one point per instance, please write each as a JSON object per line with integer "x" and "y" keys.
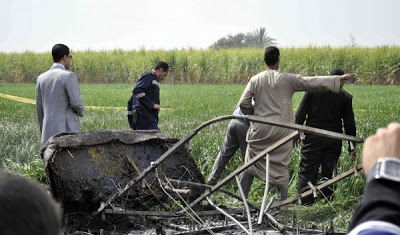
{"x": 245, "y": 166}
{"x": 191, "y": 134}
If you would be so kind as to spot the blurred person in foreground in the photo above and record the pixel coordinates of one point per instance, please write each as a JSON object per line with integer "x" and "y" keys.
{"x": 379, "y": 211}
{"x": 27, "y": 208}
{"x": 328, "y": 111}
{"x": 58, "y": 97}
{"x": 272, "y": 91}
{"x": 144, "y": 104}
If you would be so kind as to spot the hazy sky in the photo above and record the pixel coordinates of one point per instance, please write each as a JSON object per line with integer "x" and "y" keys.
{"x": 154, "y": 24}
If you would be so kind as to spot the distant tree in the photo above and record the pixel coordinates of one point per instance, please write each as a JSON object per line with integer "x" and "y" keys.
{"x": 257, "y": 38}
{"x": 236, "y": 41}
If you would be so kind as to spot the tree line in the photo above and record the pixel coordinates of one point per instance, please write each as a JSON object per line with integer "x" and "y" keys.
{"x": 255, "y": 39}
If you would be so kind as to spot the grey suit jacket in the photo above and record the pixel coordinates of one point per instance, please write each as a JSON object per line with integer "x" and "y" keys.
{"x": 58, "y": 102}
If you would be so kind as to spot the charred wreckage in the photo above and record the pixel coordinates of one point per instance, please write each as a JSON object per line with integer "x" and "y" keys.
{"x": 130, "y": 182}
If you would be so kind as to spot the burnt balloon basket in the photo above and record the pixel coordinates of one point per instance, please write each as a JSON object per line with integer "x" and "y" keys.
{"x": 85, "y": 169}
{"x": 117, "y": 181}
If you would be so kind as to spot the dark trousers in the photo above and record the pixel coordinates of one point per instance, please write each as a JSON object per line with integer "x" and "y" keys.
{"x": 138, "y": 118}
{"x": 146, "y": 124}
{"x": 313, "y": 156}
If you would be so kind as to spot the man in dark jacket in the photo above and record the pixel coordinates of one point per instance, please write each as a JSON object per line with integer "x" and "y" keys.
{"x": 324, "y": 110}
{"x": 144, "y": 104}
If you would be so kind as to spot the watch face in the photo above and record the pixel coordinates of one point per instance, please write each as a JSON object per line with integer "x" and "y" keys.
{"x": 393, "y": 168}
{"x": 390, "y": 169}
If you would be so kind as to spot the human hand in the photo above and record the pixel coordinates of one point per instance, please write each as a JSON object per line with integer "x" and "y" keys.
{"x": 346, "y": 77}
{"x": 156, "y": 107}
{"x": 385, "y": 143}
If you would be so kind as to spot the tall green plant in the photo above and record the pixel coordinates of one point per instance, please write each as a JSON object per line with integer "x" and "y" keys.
{"x": 374, "y": 65}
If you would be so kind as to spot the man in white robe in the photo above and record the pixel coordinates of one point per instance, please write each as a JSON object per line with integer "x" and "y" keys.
{"x": 272, "y": 92}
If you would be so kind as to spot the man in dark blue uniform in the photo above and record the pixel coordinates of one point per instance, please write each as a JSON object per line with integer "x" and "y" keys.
{"x": 324, "y": 110}
{"x": 144, "y": 104}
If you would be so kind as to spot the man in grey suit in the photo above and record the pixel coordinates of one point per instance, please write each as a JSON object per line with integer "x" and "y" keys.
{"x": 58, "y": 97}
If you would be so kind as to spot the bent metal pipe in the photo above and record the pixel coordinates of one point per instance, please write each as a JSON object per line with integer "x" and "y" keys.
{"x": 191, "y": 134}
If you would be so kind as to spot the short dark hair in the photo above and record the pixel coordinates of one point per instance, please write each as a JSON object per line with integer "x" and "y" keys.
{"x": 337, "y": 72}
{"x": 161, "y": 65}
{"x": 271, "y": 55}
{"x": 26, "y": 207}
{"x": 59, "y": 51}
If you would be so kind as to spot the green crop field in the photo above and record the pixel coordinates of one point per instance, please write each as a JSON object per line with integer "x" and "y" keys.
{"x": 184, "y": 107}
{"x": 374, "y": 65}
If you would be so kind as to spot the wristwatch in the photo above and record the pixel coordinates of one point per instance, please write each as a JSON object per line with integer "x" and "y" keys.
{"x": 387, "y": 168}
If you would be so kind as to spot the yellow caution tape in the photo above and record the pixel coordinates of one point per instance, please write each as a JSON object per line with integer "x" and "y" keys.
{"x": 19, "y": 99}
{"x": 30, "y": 101}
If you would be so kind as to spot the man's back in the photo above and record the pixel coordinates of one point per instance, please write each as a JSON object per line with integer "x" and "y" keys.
{"x": 58, "y": 102}
{"x": 326, "y": 110}
{"x": 52, "y": 85}
{"x": 273, "y": 91}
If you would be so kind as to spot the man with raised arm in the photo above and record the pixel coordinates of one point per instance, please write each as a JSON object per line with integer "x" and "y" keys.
{"x": 272, "y": 91}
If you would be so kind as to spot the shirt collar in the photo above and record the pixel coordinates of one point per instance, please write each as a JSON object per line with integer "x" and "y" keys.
{"x": 59, "y": 65}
